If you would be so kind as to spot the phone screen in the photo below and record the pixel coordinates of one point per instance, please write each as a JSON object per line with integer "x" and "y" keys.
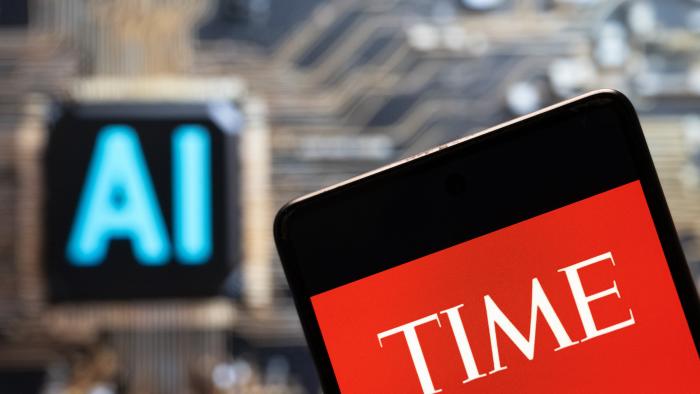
{"x": 554, "y": 268}
{"x": 575, "y": 297}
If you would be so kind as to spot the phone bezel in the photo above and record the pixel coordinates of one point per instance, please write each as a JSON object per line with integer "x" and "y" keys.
{"x": 641, "y": 158}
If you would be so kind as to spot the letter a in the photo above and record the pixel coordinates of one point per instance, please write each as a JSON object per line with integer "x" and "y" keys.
{"x": 118, "y": 202}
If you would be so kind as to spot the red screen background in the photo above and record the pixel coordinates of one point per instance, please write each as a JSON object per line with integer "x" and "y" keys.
{"x": 656, "y": 354}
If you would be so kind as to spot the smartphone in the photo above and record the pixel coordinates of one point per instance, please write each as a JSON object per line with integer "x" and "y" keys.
{"x": 536, "y": 256}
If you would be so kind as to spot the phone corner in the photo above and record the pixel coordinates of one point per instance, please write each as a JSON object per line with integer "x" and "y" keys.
{"x": 279, "y": 224}
{"x": 613, "y": 95}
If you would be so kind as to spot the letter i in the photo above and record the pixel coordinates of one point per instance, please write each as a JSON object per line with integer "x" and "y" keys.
{"x": 465, "y": 350}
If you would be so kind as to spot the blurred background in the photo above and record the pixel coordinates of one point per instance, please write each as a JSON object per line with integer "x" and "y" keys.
{"x": 314, "y": 92}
